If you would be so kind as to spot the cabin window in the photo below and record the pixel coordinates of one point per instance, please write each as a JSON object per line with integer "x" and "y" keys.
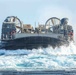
{"x": 8, "y": 26}
{"x": 61, "y": 31}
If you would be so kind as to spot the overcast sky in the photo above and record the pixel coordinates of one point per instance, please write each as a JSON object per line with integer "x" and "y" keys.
{"x": 31, "y": 11}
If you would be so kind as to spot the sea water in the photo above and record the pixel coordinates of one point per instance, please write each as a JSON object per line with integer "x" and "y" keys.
{"x": 59, "y": 58}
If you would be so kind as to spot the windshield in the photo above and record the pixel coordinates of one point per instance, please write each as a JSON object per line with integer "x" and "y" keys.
{"x": 8, "y": 25}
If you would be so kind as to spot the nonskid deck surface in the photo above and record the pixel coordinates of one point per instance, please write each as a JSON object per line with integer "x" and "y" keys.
{"x": 32, "y": 42}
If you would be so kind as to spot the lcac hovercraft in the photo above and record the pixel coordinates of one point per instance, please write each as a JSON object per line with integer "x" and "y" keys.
{"x": 54, "y": 32}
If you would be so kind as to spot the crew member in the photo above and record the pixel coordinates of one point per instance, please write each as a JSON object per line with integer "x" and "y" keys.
{"x": 71, "y": 35}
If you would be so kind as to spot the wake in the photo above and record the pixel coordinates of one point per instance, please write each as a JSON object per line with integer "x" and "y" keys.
{"x": 39, "y": 59}
{"x": 62, "y": 50}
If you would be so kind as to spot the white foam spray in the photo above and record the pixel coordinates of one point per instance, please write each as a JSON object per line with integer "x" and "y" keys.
{"x": 39, "y": 59}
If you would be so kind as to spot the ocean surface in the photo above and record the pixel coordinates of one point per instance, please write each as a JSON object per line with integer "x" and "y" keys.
{"x": 62, "y": 58}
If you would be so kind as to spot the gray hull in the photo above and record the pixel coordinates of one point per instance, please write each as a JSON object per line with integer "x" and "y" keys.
{"x": 32, "y": 42}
